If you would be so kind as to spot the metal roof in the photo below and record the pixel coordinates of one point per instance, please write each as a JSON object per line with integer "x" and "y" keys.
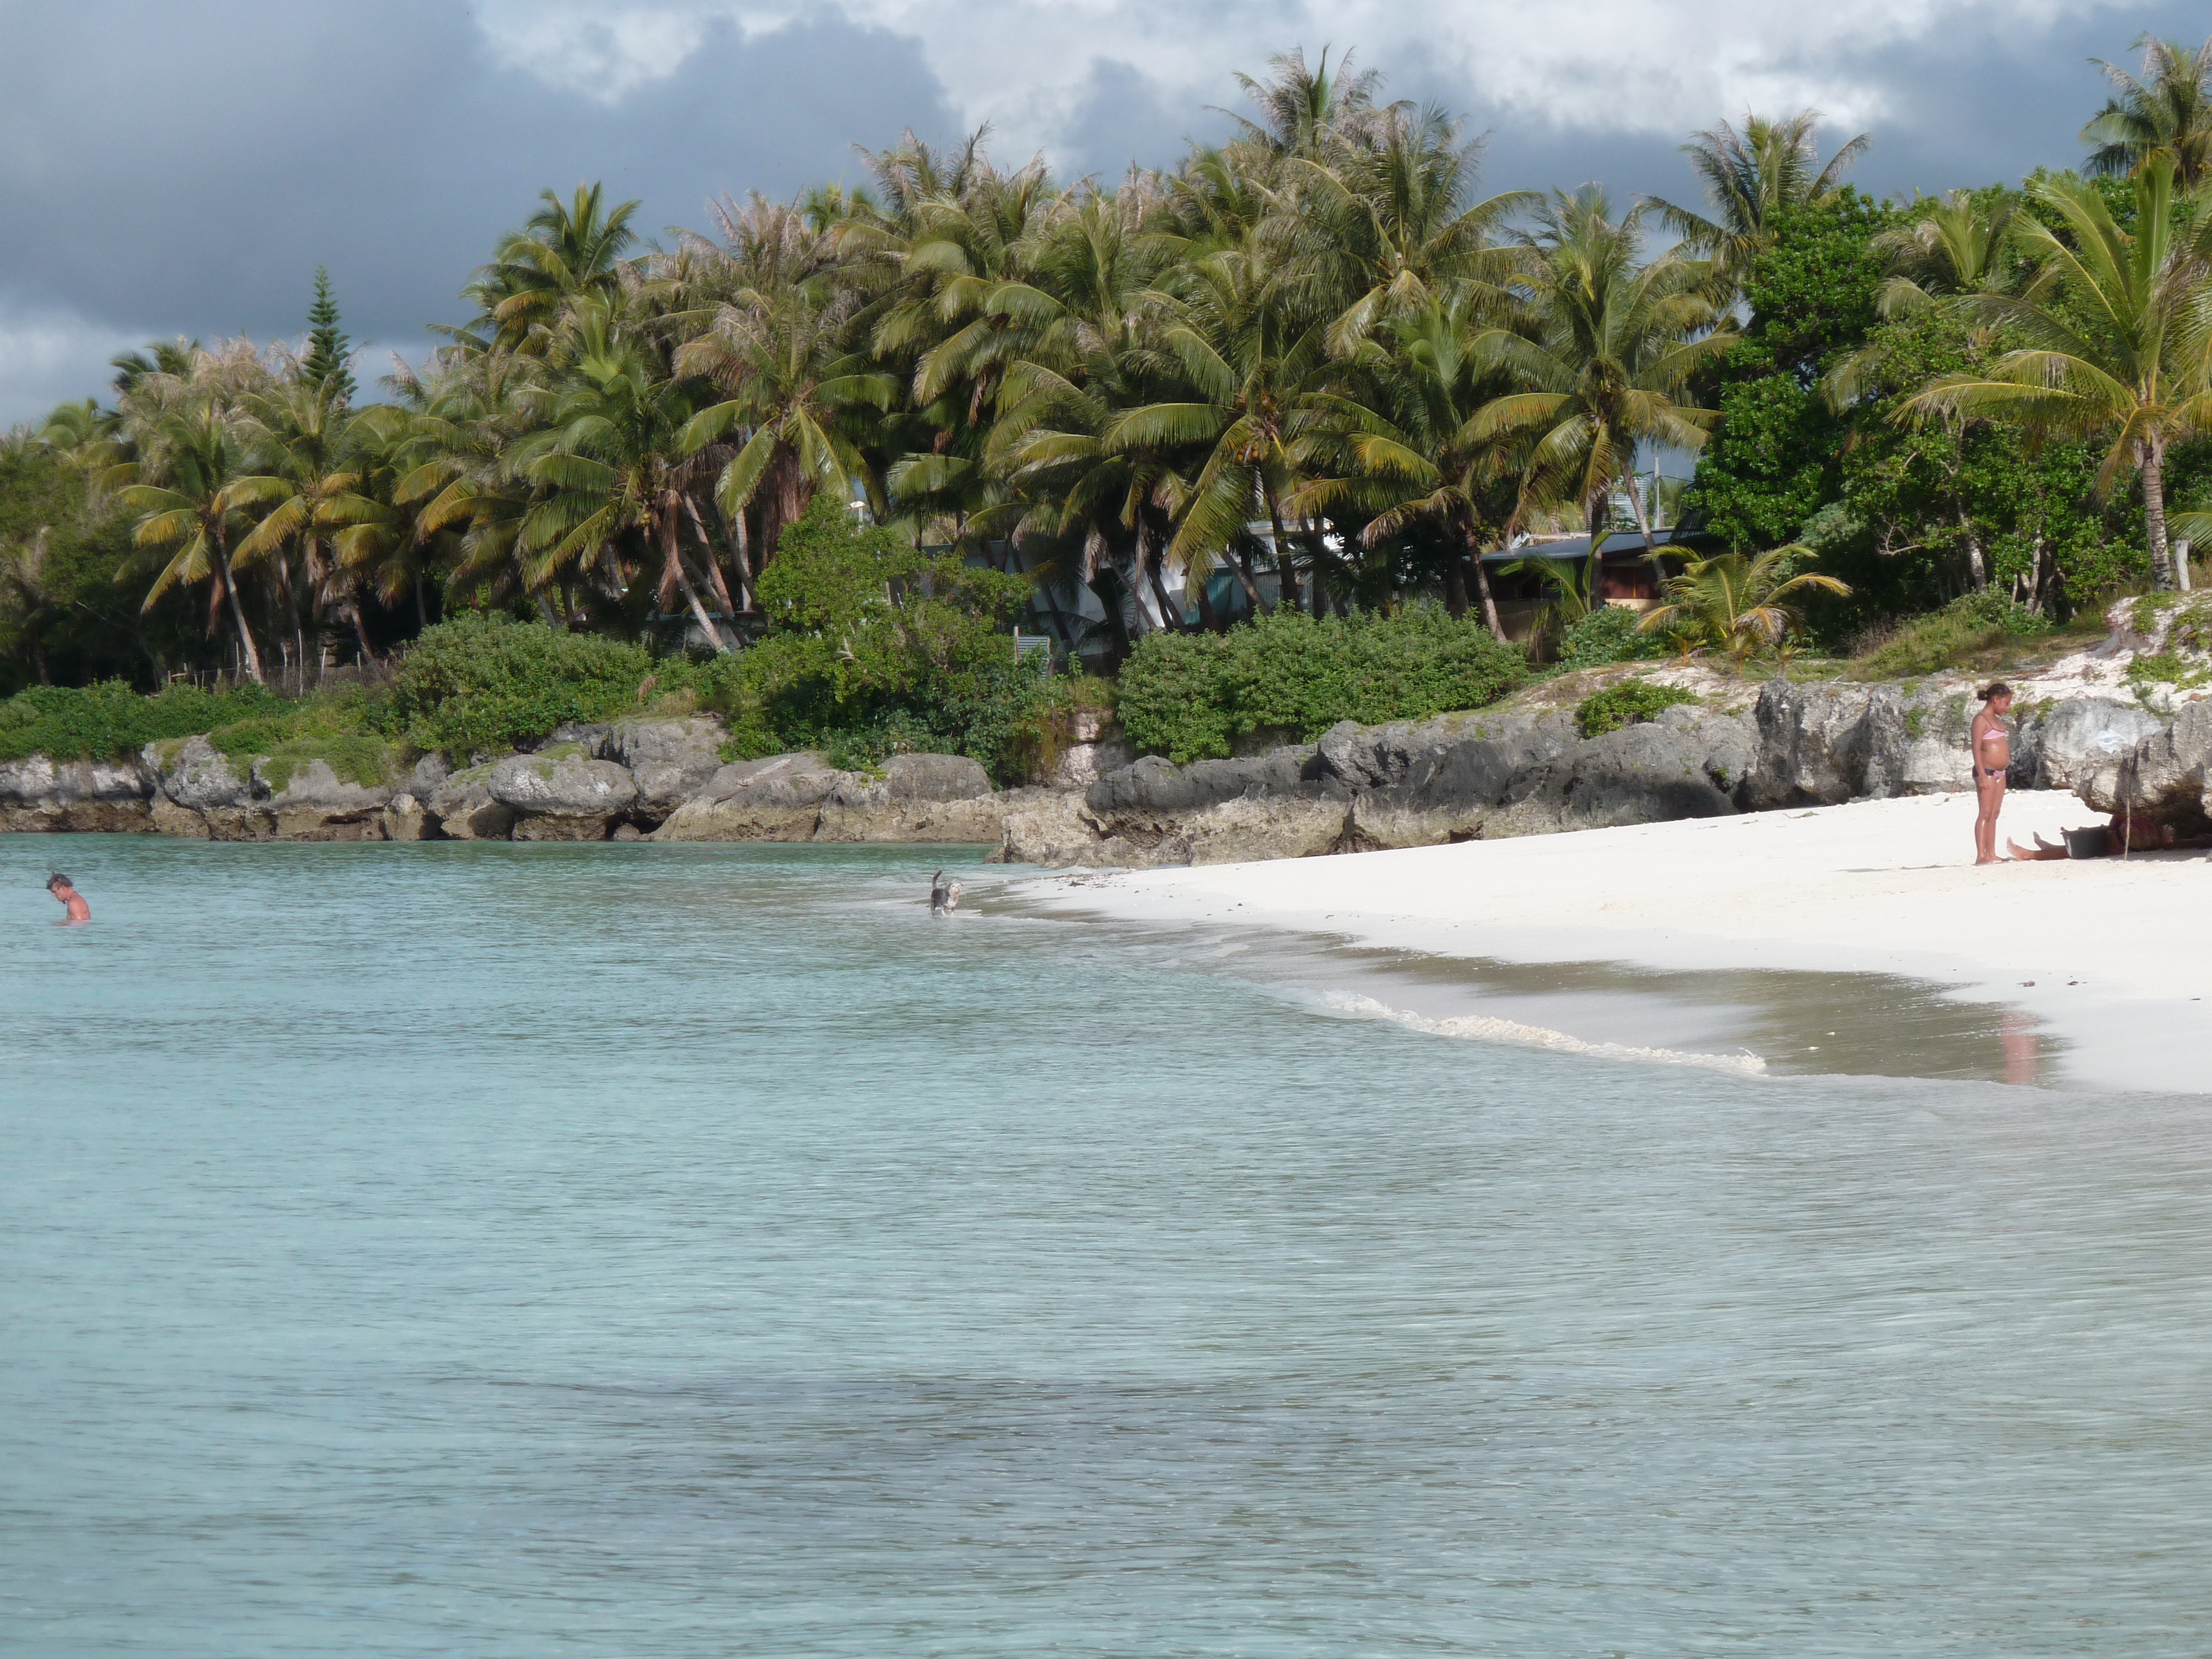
{"x": 1577, "y": 547}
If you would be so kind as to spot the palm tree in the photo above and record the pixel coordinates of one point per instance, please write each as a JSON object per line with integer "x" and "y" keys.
{"x": 1751, "y": 180}
{"x": 2168, "y": 113}
{"x": 613, "y": 463}
{"x": 193, "y": 494}
{"x": 1399, "y": 444}
{"x": 1239, "y": 358}
{"x": 1384, "y": 224}
{"x": 1301, "y": 108}
{"x": 1735, "y": 602}
{"x": 566, "y": 250}
{"x": 2116, "y": 346}
{"x": 1605, "y": 363}
{"x": 796, "y": 396}
{"x": 300, "y": 433}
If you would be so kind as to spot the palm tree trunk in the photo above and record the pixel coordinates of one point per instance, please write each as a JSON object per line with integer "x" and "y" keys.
{"x": 674, "y": 556}
{"x": 1455, "y": 588}
{"x": 2150, "y": 457}
{"x": 1287, "y": 580}
{"x": 1243, "y": 570}
{"x": 1636, "y": 506}
{"x": 1482, "y": 592}
{"x": 252, "y": 657}
{"x": 713, "y": 566}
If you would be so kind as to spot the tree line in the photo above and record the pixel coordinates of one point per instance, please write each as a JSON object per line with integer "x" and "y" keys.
{"x": 1314, "y": 358}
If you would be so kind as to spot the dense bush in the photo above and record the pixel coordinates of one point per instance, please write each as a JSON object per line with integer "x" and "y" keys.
{"x": 1607, "y": 634}
{"x": 1628, "y": 702}
{"x": 1191, "y": 696}
{"x": 874, "y": 648}
{"x": 109, "y": 720}
{"x": 482, "y": 681}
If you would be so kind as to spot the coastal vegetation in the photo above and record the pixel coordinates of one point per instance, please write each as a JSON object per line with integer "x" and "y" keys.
{"x": 1269, "y": 423}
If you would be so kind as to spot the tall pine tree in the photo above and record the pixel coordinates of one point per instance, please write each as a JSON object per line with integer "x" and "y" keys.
{"x": 327, "y": 345}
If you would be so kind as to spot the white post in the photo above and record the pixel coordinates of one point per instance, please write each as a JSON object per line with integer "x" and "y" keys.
{"x": 2181, "y": 564}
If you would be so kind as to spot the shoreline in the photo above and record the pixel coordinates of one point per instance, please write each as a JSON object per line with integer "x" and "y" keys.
{"x": 2103, "y": 956}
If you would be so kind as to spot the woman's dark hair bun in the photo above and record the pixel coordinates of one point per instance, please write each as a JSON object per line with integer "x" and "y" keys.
{"x": 1994, "y": 689}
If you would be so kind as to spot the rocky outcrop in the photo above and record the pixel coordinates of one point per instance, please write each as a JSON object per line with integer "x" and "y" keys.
{"x": 2065, "y": 743}
{"x": 917, "y": 798}
{"x": 405, "y": 818}
{"x": 308, "y": 801}
{"x": 671, "y": 761}
{"x": 562, "y": 794}
{"x": 2166, "y": 775}
{"x": 1098, "y": 747}
{"x": 463, "y": 807}
{"x": 37, "y": 794}
{"x": 1822, "y": 744}
{"x": 776, "y": 798}
{"x": 201, "y": 795}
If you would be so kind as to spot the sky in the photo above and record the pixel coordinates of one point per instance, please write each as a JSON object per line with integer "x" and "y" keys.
{"x": 171, "y": 169}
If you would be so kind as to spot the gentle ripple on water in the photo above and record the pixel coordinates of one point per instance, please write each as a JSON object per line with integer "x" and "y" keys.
{"x": 510, "y": 1250}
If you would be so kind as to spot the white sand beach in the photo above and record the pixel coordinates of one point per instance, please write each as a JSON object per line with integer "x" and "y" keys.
{"x": 2109, "y": 956}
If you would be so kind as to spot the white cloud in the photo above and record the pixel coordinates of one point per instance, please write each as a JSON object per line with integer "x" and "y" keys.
{"x": 1609, "y": 66}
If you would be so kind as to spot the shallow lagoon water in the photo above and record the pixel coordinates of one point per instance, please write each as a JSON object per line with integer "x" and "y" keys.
{"x": 691, "y": 1251}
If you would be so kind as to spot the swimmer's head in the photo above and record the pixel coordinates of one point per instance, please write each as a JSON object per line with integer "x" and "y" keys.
{"x": 58, "y": 880}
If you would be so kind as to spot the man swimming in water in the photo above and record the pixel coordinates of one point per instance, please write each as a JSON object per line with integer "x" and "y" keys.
{"x": 72, "y": 901}
{"x": 1992, "y": 756}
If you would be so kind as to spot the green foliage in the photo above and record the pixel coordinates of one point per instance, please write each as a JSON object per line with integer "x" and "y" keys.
{"x": 111, "y": 721}
{"x": 1628, "y": 702}
{"x": 1190, "y": 697}
{"x": 1951, "y": 637}
{"x": 328, "y": 349}
{"x": 874, "y": 649}
{"x": 482, "y": 681}
{"x": 1609, "y": 633}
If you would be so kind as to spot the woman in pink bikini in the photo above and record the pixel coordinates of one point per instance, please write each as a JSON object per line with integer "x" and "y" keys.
{"x": 1992, "y": 752}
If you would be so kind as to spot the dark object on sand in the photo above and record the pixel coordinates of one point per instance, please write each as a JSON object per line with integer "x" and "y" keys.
{"x": 2090, "y": 843}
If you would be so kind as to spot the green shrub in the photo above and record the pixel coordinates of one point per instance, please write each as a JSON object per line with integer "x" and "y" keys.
{"x": 1628, "y": 703}
{"x": 875, "y": 648}
{"x": 1191, "y": 696}
{"x": 482, "y": 681}
{"x": 1942, "y": 639}
{"x": 1609, "y": 634}
{"x": 111, "y": 721}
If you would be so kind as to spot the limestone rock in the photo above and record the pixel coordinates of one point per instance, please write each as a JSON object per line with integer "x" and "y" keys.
{"x": 562, "y": 784}
{"x": 315, "y": 804}
{"x": 671, "y": 760}
{"x": 2071, "y": 740}
{"x": 426, "y": 774}
{"x": 36, "y": 781}
{"x": 1099, "y": 748}
{"x": 197, "y": 775}
{"x": 465, "y": 809}
{"x": 778, "y": 798}
{"x": 1823, "y": 744}
{"x": 182, "y": 822}
{"x": 562, "y": 826}
{"x": 39, "y": 794}
{"x": 917, "y": 797}
{"x": 1643, "y": 774}
{"x": 2166, "y": 775}
{"x": 405, "y": 818}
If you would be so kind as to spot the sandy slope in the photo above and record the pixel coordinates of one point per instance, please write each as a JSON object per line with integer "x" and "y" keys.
{"x": 2118, "y": 949}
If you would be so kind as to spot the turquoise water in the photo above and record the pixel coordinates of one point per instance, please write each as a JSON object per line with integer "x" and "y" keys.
{"x": 696, "y": 1251}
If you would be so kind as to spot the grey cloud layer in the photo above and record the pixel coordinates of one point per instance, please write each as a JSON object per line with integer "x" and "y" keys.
{"x": 183, "y": 168}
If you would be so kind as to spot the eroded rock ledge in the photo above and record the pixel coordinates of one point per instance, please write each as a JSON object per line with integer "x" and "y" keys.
{"x": 1516, "y": 770}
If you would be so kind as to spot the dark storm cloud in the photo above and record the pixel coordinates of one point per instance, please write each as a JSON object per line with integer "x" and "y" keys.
{"x": 170, "y": 168}
{"x": 185, "y": 169}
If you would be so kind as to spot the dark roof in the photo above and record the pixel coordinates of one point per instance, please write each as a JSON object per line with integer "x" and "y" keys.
{"x": 1618, "y": 543}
